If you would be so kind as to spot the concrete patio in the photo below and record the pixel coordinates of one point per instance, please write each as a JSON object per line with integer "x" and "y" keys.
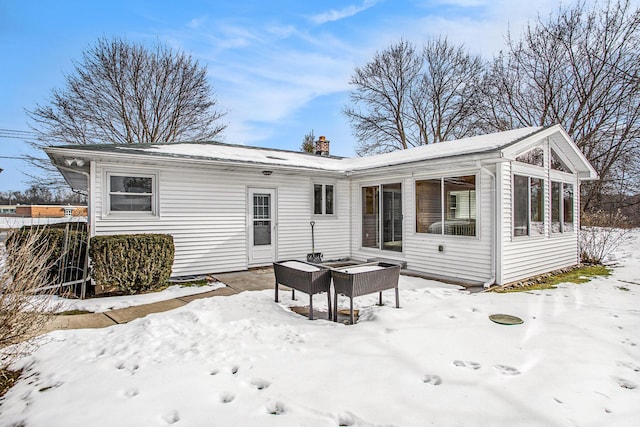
{"x": 251, "y": 280}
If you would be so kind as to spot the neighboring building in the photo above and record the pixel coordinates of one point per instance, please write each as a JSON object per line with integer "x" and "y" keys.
{"x": 7, "y": 209}
{"x": 488, "y": 209}
{"x": 50, "y": 211}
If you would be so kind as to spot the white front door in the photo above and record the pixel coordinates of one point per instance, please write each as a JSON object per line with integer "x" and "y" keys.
{"x": 262, "y": 226}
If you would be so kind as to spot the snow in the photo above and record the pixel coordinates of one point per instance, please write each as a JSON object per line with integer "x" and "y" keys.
{"x": 98, "y": 305}
{"x": 438, "y": 360}
{"x": 361, "y": 269}
{"x": 239, "y": 153}
{"x": 297, "y": 265}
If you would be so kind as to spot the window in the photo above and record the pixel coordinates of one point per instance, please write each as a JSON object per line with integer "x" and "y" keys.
{"x": 528, "y": 206}
{"x": 534, "y": 156}
{"x": 370, "y": 217}
{"x": 561, "y": 207}
{"x": 446, "y": 206}
{"x": 323, "y": 199}
{"x": 567, "y": 207}
{"x": 131, "y": 193}
{"x": 558, "y": 164}
{"x": 382, "y": 217}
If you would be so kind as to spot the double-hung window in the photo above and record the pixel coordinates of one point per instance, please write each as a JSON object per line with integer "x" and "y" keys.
{"x": 528, "y": 206}
{"x": 131, "y": 193}
{"x": 446, "y": 206}
{"x": 323, "y": 199}
{"x": 561, "y": 207}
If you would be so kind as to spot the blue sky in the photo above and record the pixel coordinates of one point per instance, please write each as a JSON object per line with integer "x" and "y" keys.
{"x": 280, "y": 67}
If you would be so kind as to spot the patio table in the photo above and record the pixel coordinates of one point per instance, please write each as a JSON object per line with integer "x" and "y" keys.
{"x": 362, "y": 280}
{"x": 305, "y": 277}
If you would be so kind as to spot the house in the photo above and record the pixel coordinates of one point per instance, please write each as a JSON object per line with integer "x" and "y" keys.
{"x": 488, "y": 209}
{"x": 50, "y": 211}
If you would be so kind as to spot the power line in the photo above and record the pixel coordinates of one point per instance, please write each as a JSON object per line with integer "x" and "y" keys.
{"x": 17, "y": 134}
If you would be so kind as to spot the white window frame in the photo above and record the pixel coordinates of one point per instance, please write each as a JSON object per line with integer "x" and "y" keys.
{"x": 136, "y": 173}
{"x": 443, "y": 204}
{"x": 562, "y": 227}
{"x": 324, "y": 198}
{"x": 546, "y": 189}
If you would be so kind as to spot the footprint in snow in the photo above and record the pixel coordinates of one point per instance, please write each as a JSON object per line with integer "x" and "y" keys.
{"x": 466, "y": 364}
{"x": 227, "y": 397}
{"x": 630, "y": 385}
{"x": 346, "y": 419}
{"x": 275, "y": 408}
{"x": 260, "y": 384}
{"x": 506, "y": 370}
{"x": 214, "y": 372}
{"x": 234, "y": 370}
{"x": 631, "y": 366}
{"x": 432, "y": 379}
{"x": 132, "y": 392}
{"x": 171, "y": 417}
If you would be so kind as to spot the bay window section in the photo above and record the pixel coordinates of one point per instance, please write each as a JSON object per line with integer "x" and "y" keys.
{"x": 528, "y": 206}
{"x": 556, "y": 188}
{"x": 446, "y": 206}
{"x": 561, "y": 207}
{"x": 537, "y": 206}
{"x": 567, "y": 207}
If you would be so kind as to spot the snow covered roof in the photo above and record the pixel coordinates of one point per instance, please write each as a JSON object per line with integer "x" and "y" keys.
{"x": 498, "y": 145}
{"x": 280, "y": 158}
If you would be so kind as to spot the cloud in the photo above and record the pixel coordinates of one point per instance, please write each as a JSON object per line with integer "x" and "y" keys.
{"x": 197, "y": 22}
{"x": 336, "y": 15}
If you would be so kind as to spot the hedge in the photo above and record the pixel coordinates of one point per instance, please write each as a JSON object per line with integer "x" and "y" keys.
{"x": 132, "y": 263}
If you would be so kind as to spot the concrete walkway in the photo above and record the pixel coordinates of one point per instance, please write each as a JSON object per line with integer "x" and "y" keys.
{"x": 251, "y": 280}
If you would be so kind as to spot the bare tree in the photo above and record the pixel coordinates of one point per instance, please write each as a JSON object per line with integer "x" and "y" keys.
{"x": 578, "y": 67}
{"x": 405, "y": 97}
{"x": 126, "y": 93}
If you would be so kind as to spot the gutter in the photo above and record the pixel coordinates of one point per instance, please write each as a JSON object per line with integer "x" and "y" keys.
{"x": 81, "y": 172}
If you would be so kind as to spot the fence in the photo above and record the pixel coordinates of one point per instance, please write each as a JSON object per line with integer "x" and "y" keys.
{"x": 69, "y": 263}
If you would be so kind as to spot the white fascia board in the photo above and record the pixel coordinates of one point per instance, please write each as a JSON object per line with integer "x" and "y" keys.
{"x": 583, "y": 166}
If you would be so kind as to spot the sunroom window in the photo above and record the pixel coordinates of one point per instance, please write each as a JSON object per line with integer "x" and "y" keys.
{"x": 446, "y": 206}
{"x": 557, "y": 163}
{"x": 561, "y": 207}
{"x": 131, "y": 193}
{"x": 528, "y": 206}
{"x": 534, "y": 156}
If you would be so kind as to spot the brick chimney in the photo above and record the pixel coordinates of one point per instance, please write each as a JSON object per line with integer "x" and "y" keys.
{"x": 322, "y": 146}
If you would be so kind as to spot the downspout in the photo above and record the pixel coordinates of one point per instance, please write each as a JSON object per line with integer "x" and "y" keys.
{"x": 494, "y": 217}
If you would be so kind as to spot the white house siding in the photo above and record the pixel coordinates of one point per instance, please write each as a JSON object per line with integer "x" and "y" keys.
{"x": 466, "y": 259}
{"x": 204, "y": 209}
{"x": 529, "y": 256}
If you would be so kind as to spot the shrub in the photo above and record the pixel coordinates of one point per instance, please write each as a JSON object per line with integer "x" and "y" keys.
{"x": 24, "y": 305}
{"x": 132, "y": 263}
{"x": 601, "y": 233}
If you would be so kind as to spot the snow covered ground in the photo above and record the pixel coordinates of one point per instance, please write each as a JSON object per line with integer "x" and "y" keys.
{"x": 98, "y": 305}
{"x": 244, "y": 360}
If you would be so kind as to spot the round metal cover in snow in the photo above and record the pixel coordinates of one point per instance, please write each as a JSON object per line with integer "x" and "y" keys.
{"x": 505, "y": 319}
